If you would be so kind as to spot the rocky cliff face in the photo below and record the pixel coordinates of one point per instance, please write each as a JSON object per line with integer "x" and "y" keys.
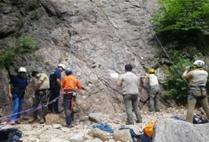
{"x": 93, "y": 37}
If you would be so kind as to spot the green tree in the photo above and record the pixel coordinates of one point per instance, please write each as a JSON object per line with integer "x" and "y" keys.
{"x": 175, "y": 85}
{"x": 182, "y": 15}
{"x": 24, "y": 44}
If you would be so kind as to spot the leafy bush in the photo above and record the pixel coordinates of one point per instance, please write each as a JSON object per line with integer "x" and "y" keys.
{"x": 26, "y": 44}
{"x": 6, "y": 58}
{"x": 176, "y": 86}
{"x": 182, "y": 15}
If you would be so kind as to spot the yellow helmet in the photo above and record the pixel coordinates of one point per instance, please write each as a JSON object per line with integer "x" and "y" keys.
{"x": 151, "y": 71}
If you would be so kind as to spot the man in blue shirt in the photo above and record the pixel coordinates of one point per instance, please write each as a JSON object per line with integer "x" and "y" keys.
{"x": 17, "y": 87}
{"x": 55, "y": 86}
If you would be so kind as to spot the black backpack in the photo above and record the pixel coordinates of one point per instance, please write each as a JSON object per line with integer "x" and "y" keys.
{"x": 198, "y": 119}
{"x": 53, "y": 81}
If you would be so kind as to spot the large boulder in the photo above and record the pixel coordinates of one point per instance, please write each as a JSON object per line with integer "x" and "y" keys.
{"x": 171, "y": 130}
{"x": 122, "y": 135}
{"x": 97, "y": 133}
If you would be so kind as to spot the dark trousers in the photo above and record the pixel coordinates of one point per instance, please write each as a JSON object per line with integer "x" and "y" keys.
{"x": 54, "y": 107}
{"x": 67, "y": 100}
{"x": 40, "y": 99}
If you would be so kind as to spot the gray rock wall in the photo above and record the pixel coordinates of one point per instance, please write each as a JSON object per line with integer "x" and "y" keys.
{"x": 92, "y": 37}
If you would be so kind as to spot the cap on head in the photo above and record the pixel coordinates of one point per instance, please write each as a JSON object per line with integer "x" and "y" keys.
{"x": 61, "y": 66}
{"x": 151, "y": 71}
{"x": 22, "y": 69}
{"x": 199, "y": 63}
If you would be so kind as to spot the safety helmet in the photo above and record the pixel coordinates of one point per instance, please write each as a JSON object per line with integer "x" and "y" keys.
{"x": 61, "y": 66}
{"x": 199, "y": 63}
{"x": 151, "y": 71}
{"x": 22, "y": 69}
{"x": 68, "y": 71}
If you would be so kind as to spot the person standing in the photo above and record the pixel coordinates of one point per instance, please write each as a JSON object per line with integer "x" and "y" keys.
{"x": 41, "y": 89}
{"x": 197, "y": 78}
{"x": 70, "y": 86}
{"x": 55, "y": 86}
{"x": 154, "y": 91}
{"x": 16, "y": 91}
{"x": 130, "y": 87}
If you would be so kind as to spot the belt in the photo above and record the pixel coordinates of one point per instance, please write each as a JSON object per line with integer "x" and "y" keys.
{"x": 69, "y": 90}
{"x": 197, "y": 86}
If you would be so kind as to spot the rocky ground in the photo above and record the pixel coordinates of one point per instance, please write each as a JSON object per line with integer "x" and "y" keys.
{"x": 83, "y": 130}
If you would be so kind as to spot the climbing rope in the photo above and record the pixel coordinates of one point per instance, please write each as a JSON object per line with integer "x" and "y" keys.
{"x": 27, "y": 111}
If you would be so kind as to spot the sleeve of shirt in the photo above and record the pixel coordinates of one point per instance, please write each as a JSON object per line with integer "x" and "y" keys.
{"x": 188, "y": 75}
{"x": 58, "y": 74}
{"x": 121, "y": 77}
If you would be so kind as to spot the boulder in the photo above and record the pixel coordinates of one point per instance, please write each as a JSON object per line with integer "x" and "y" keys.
{"x": 97, "y": 133}
{"x": 94, "y": 140}
{"x": 122, "y": 135}
{"x": 171, "y": 130}
{"x": 79, "y": 137}
{"x": 58, "y": 140}
{"x": 96, "y": 117}
{"x": 54, "y": 119}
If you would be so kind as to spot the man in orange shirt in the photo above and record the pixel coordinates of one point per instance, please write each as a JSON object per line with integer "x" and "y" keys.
{"x": 70, "y": 85}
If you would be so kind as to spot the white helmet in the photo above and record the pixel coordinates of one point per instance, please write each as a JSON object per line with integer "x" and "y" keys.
{"x": 22, "y": 69}
{"x": 61, "y": 66}
{"x": 199, "y": 63}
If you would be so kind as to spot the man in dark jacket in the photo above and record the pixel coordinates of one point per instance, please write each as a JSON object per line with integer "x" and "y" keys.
{"x": 17, "y": 87}
{"x": 55, "y": 86}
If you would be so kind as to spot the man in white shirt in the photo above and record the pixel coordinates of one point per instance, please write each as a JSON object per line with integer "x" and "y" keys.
{"x": 130, "y": 87}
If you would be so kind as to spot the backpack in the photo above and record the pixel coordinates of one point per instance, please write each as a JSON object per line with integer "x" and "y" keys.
{"x": 53, "y": 81}
{"x": 149, "y": 128}
{"x": 198, "y": 119}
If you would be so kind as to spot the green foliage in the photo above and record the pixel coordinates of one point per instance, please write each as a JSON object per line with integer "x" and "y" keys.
{"x": 176, "y": 86}
{"x": 182, "y": 15}
{"x": 26, "y": 44}
{"x": 6, "y": 58}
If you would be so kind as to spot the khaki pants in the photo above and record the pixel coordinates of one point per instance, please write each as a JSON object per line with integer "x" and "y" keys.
{"x": 154, "y": 93}
{"x": 131, "y": 104}
{"x": 41, "y": 98}
{"x": 192, "y": 101}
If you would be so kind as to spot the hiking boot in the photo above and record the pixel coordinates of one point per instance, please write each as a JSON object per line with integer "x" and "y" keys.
{"x": 157, "y": 110}
{"x": 129, "y": 123}
{"x": 33, "y": 120}
{"x": 42, "y": 121}
{"x": 68, "y": 126}
{"x": 138, "y": 121}
{"x": 18, "y": 122}
{"x": 12, "y": 122}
